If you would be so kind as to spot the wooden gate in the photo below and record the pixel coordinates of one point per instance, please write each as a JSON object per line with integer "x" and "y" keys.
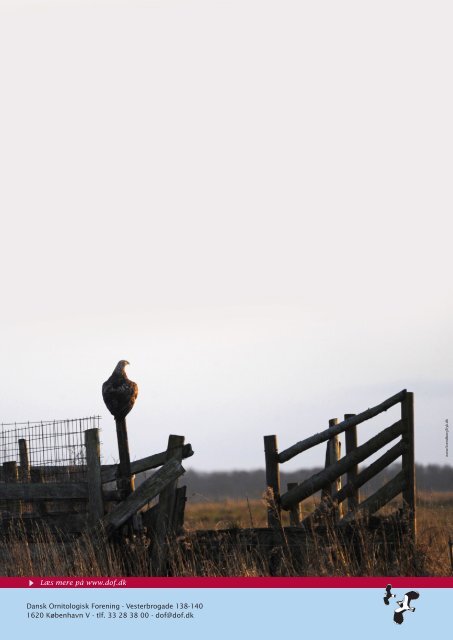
{"x": 329, "y": 480}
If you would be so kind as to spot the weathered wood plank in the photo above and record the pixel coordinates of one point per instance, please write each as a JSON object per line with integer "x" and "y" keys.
{"x": 110, "y": 472}
{"x": 378, "y": 499}
{"x": 95, "y": 497}
{"x": 143, "y": 494}
{"x": 316, "y": 482}
{"x": 44, "y": 491}
{"x": 364, "y": 476}
{"x": 323, "y": 436}
{"x": 272, "y": 481}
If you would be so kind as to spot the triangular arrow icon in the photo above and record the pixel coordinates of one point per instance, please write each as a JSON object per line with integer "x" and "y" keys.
{"x": 30, "y": 583}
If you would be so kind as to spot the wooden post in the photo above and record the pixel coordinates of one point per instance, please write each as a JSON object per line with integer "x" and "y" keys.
{"x": 24, "y": 471}
{"x": 408, "y": 462}
{"x": 273, "y": 481}
{"x": 95, "y": 498}
{"x": 351, "y": 444}
{"x": 333, "y": 454}
{"x": 295, "y": 513}
{"x": 125, "y": 481}
{"x": 180, "y": 507}
{"x": 450, "y": 544}
{"x": 10, "y": 474}
{"x": 165, "y": 524}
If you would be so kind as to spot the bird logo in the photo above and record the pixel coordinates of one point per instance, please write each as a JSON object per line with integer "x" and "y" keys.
{"x": 404, "y": 605}
{"x": 119, "y": 392}
{"x": 388, "y": 594}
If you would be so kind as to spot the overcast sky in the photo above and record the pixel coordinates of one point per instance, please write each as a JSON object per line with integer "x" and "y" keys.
{"x": 248, "y": 200}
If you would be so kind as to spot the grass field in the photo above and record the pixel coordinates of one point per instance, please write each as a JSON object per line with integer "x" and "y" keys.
{"x": 96, "y": 556}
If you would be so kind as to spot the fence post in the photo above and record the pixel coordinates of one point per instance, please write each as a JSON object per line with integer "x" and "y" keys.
{"x": 95, "y": 498}
{"x": 333, "y": 454}
{"x": 408, "y": 462}
{"x": 125, "y": 481}
{"x": 351, "y": 444}
{"x": 165, "y": 524}
{"x": 450, "y": 544}
{"x": 273, "y": 481}
{"x": 10, "y": 474}
{"x": 24, "y": 471}
{"x": 180, "y": 507}
{"x": 295, "y": 513}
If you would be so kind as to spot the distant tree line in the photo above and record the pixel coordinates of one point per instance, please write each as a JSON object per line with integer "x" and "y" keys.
{"x": 222, "y": 485}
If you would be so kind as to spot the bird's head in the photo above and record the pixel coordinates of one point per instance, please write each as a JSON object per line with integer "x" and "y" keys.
{"x": 122, "y": 364}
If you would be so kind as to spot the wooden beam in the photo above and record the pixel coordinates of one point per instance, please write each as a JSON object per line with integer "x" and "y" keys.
{"x": 316, "y": 482}
{"x": 110, "y": 472}
{"x": 143, "y": 494}
{"x": 323, "y": 436}
{"x": 379, "y": 498}
{"x": 272, "y": 481}
{"x": 95, "y": 497}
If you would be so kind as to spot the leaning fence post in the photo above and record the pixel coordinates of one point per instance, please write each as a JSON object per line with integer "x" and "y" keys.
{"x": 408, "y": 461}
{"x": 351, "y": 444}
{"x": 95, "y": 498}
{"x": 273, "y": 481}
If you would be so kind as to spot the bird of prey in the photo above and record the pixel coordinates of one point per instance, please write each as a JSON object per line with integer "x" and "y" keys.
{"x": 404, "y": 605}
{"x": 119, "y": 392}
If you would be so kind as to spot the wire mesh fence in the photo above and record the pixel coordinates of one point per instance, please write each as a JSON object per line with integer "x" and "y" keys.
{"x": 52, "y": 451}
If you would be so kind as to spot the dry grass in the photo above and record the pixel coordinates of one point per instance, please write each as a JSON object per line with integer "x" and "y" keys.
{"x": 98, "y": 557}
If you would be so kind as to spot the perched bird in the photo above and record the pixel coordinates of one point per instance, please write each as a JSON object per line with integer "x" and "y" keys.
{"x": 404, "y": 605}
{"x": 119, "y": 392}
{"x": 388, "y": 594}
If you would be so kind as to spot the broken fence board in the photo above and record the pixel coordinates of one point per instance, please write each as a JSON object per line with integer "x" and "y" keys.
{"x": 145, "y": 492}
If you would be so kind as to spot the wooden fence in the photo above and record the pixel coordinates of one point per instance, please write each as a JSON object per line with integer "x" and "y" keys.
{"x": 31, "y": 494}
{"x": 328, "y": 481}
